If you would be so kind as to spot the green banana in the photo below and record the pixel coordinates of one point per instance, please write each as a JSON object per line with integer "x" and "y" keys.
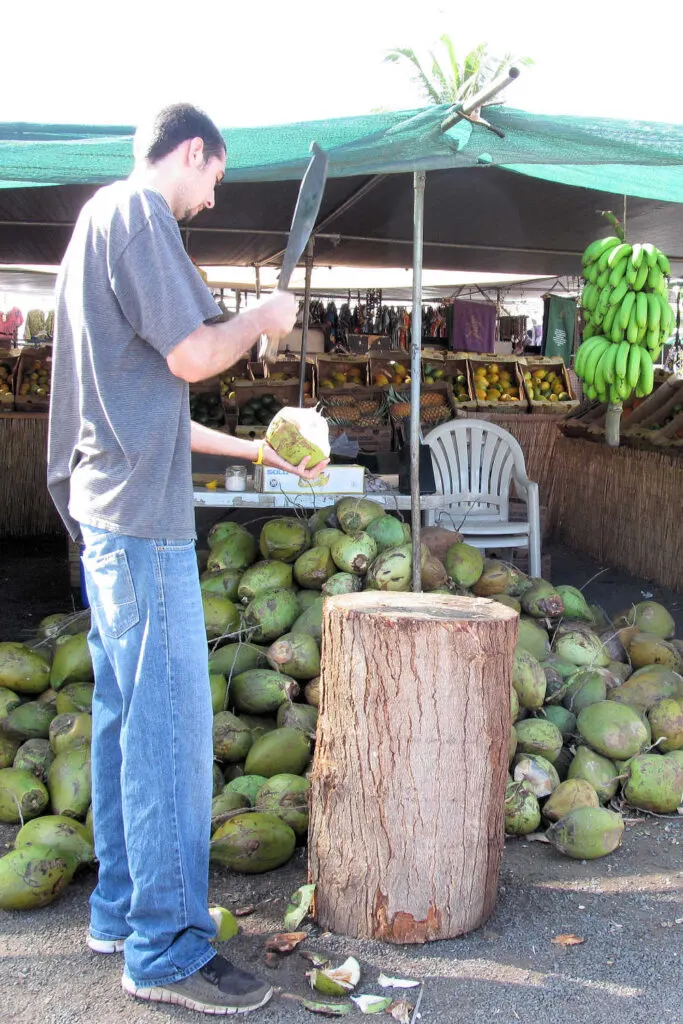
{"x": 618, "y": 253}
{"x": 625, "y": 309}
{"x": 652, "y": 339}
{"x": 596, "y": 248}
{"x": 618, "y": 293}
{"x": 665, "y": 320}
{"x": 592, "y": 392}
{"x": 624, "y": 390}
{"x": 643, "y": 271}
{"x": 584, "y": 351}
{"x": 592, "y": 359}
{"x": 603, "y": 278}
{"x": 632, "y": 327}
{"x": 639, "y": 392}
{"x": 608, "y": 363}
{"x": 654, "y": 312}
{"x": 650, "y": 254}
{"x": 618, "y": 271}
{"x": 646, "y": 378}
{"x": 631, "y": 272}
{"x": 586, "y": 296}
{"x": 589, "y": 331}
{"x": 641, "y": 309}
{"x": 621, "y": 362}
{"x": 617, "y": 333}
{"x": 663, "y": 262}
{"x": 610, "y": 317}
{"x": 654, "y": 278}
{"x": 637, "y": 255}
{"x": 633, "y": 367}
{"x": 614, "y": 396}
{"x": 591, "y": 273}
{"x": 604, "y": 300}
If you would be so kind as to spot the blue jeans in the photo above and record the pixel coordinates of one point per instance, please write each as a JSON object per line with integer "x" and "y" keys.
{"x": 151, "y": 754}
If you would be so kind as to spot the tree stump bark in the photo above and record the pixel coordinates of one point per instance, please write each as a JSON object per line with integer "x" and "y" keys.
{"x": 408, "y": 781}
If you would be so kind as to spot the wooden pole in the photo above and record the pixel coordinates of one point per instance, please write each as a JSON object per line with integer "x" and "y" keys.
{"x": 408, "y": 782}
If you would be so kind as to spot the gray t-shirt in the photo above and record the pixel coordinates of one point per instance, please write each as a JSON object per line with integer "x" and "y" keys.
{"x": 119, "y": 434}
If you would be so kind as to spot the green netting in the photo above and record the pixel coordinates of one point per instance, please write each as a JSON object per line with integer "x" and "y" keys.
{"x": 626, "y": 157}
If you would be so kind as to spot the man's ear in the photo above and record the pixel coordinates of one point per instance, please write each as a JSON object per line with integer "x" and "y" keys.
{"x": 195, "y": 152}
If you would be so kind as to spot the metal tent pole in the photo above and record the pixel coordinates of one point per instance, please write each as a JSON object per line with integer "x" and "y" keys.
{"x": 257, "y": 272}
{"x": 306, "y": 313}
{"x": 415, "y": 371}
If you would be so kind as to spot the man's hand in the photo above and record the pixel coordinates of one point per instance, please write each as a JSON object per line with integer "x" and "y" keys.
{"x": 271, "y": 458}
{"x": 278, "y": 313}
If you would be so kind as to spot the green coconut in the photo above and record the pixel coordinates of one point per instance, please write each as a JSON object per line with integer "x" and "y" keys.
{"x": 582, "y": 649}
{"x": 355, "y": 514}
{"x": 510, "y": 602}
{"x": 34, "y": 876}
{"x": 283, "y": 539}
{"x": 22, "y": 795}
{"x": 512, "y": 743}
{"x": 541, "y": 600}
{"x": 296, "y": 434}
{"x": 528, "y": 680}
{"x": 649, "y": 649}
{"x": 220, "y": 532}
{"x": 575, "y": 604}
{"x": 564, "y": 719}
{"x": 59, "y": 833}
{"x": 74, "y": 697}
{"x": 392, "y": 570}
{"x": 342, "y": 583}
{"x": 258, "y": 723}
{"x": 323, "y": 518}
{"x": 532, "y": 638}
{"x": 69, "y": 730}
{"x": 555, "y": 685}
{"x": 247, "y": 786}
{"x": 651, "y": 618}
{"x": 34, "y": 756}
{"x": 235, "y": 658}
{"x": 221, "y": 616}
{"x": 600, "y": 771}
{"x": 235, "y": 550}
{"x": 223, "y": 806}
{"x": 646, "y": 686}
{"x": 387, "y": 532}
{"x": 71, "y": 661}
{"x": 306, "y": 598}
{"x": 514, "y": 704}
{"x": 23, "y": 670}
{"x": 262, "y": 576}
{"x": 326, "y": 537}
{"x": 69, "y": 782}
{"x": 298, "y": 716}
{"x": 224, "y": 582}
{"x": 567, "y": 796}
{"x": 522, "y": 810}
{"x": 271, "y": 614}
{"x": 587, "y": 686}
{"x": 312, "y": 692}
{"x": 614, "y": 730}
{"x": 261, "y": 690}
{"x": 218, "y": 781}
{"x": 620, "y": 672}
{"x": 354, "y": 553}
{"x": 8, "y": 700}
{"x": 232, "y": 738}
{"x": 675, "y": 755}
{"x": 286, "y": 796}
{"x": 310, "y": 621}
{"x": 666, "y": 722}
{"x": 219, "y": 692}
{"x": 315, "y": 566}
{"x": 253, "y": 843}
{"x": 537, "y": 771}
{"x": 464, "y": 563}
{"x": 562, "y": 762}
{"x": 9, "y": 746}
{"x": 655, "y": 783}
{"x": 295, "y": 654}
{"x": 587, "y": 833}
{"x": 282, "y": 750}
{"x": 539, "y": 736}
{"x": 495, "y": 579}
{"x": 31, "y": 721}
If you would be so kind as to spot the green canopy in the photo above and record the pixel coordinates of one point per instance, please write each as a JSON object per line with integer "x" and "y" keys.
{"x": 633, "y": 158}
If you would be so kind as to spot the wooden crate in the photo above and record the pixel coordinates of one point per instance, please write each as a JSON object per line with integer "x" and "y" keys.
{"x": 545, "y": 406}
{"x": 384, "y": 363}
{"x": 511, "y": 363}
{"x": 370, "y": 439}
{"x": 655, "y": 408}
{"x": 9, "y": 365}
{"x": 457, "y": 364}
{"x": 30, "y": 361}
{"x": 327, "y": 365}
{"x": 287, "y": 394}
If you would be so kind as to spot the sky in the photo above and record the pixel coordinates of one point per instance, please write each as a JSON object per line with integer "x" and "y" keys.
{"x": 272, "y": 62}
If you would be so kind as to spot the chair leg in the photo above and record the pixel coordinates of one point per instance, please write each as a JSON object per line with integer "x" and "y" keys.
{"x": 533, "y": 511}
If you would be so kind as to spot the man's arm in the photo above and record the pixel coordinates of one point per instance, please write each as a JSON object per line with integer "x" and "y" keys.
{"x": 213, "y": 442}
{"x": 212, "y": 348}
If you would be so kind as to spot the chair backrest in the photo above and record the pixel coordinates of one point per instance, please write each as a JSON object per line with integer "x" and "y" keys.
{"x": 474, "y": 460}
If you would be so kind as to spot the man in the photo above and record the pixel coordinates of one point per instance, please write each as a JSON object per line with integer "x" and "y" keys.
{"x": 132, "y": 328}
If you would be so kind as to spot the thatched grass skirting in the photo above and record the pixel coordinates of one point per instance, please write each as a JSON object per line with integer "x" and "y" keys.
{"x": 26, "y": 509}
{"x": 623, "y": 507}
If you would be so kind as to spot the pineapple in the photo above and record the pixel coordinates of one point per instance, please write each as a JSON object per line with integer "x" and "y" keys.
{"x": 432, "y": 398}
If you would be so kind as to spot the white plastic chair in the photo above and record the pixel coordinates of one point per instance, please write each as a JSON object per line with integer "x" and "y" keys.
{"x": 476, "y": 461}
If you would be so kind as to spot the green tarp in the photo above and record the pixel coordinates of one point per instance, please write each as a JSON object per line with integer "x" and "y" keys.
{"x": 633, "y": 158}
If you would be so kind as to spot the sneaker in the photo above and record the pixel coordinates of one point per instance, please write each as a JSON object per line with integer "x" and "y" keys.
{"x": 105, "y": 945}
{"x": 218, "y": 988}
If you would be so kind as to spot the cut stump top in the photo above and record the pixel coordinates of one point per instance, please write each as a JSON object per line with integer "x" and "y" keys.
{"x": 399, "y": 605}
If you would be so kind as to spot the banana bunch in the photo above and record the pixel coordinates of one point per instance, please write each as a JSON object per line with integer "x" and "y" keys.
{"x": 627, "y": 317}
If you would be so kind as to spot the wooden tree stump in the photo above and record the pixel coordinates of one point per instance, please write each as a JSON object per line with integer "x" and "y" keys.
{"x": 408, "y": 782}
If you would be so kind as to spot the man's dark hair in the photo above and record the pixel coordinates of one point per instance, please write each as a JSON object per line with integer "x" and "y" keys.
{"x": 176, "y": 124}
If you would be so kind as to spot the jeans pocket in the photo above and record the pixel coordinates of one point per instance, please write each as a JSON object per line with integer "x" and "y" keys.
{"x": 113, "y": 601}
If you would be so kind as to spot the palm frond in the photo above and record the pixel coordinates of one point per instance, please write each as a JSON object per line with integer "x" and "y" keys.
{"x": 439, "y": 75}
{"x": 420, "y": 76}
{"x": 453, "y": 60}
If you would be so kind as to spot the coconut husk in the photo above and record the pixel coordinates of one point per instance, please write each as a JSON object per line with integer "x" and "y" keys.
{"x": 439, "y": 540}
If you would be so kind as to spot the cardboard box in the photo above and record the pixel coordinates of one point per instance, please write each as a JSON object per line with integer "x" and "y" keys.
{"x": 384, "y": 363}
{"x": 544, "y": 406}
{"x": 510, "y": 363}
{"x": 457, "y": 365}
{"x": 328, "y": 365}
{"x": 7, "y": 367}
{"x": 333, "y": 480}
{"x": 32, "y": 361}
